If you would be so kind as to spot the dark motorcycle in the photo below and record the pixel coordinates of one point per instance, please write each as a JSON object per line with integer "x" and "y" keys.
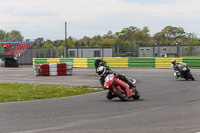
{"x": 185, "y": 72}
{"x": 120, "y": 88}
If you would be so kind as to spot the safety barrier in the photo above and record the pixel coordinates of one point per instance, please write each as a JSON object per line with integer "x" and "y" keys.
{"x": 53, "y": 60}
{"x": 53, "y": 69}
{"x": 80, "y": 62}
{"x": 165, "y": 62}
{"x": 91, "y": 62}
{"x": 117, "y": 62}
{"x": 141, "y": 62}
{"x": 132, "y": 62}
{"x": 39, "y": 60}
{"x": 192, "y": 62}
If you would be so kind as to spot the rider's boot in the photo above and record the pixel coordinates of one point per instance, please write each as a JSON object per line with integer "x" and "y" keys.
{"x": 176, "y": 75}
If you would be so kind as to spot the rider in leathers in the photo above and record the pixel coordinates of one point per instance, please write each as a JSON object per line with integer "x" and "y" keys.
{"x": 98, "y": 62}
{"x": 175, "y": 65}
{"x": 103, "y": 73}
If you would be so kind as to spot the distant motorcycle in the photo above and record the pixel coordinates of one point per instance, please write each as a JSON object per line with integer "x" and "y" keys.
{"x": 184, "y": 72}
{"x": 120, "y": 88}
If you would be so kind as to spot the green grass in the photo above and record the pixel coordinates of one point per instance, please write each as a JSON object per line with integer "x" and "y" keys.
{"x": 12, "y": 92}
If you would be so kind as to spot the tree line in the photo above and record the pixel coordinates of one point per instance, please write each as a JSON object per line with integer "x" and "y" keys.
{"x": 131, "y": 36}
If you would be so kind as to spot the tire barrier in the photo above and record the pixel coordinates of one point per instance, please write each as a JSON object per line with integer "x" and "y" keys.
{"x": 44, "y": 69}
{"x": 131, "y": 62}
{"x": 53, "y": 69}
{"x": 37, "y": 70}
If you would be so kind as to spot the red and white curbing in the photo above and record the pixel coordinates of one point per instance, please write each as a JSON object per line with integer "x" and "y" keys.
{"x": 53, "y": 69}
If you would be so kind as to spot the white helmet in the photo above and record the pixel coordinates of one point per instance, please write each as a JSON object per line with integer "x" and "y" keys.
{"x": 97, "y": 58}
{"x": 101, "y": 71}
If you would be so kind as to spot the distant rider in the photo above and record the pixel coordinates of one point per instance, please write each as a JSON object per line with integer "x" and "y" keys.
{"x": 98, "y": 62}
{"x": 175, "y": 65}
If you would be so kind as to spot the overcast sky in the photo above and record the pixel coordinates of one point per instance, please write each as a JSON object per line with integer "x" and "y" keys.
{"x": 46, "y": 18}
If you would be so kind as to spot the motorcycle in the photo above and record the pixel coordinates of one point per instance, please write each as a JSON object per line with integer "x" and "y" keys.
{"x": 120, "y": 88}
{"x": 184, "y": 72}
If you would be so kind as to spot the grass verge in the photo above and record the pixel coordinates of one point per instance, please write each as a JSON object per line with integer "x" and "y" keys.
{"x": 12, "y": 92}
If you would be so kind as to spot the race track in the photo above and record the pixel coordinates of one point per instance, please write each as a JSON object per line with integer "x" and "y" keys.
{"x": 166, "y": 105}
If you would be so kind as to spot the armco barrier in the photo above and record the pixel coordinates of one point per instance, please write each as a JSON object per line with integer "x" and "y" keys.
{"x": 91, "y": 62}
{"x": 66, "y": 59}
{"x": 132, "y": 62}
{"x": 165, "y": 62}
{"x": 53, "y": 60}
{"x": 192, "y": 62}
{"x": 141, "y": 62}
{"x": 117, "y": 62}
{"x": 39, "y": 60}
{"x": 80, "y": 62}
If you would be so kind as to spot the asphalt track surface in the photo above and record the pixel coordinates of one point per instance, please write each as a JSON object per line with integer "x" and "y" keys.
{"x": 166, "y": 105}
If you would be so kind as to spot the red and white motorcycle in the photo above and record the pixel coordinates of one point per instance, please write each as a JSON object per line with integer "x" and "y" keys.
{"x": 120, "y": 88}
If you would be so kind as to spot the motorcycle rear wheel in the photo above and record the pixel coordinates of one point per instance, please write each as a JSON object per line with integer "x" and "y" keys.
{"x": 190, "y": 76}
{"x": 121, "y": 96}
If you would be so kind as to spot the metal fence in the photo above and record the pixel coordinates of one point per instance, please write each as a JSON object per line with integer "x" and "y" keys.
{"x": 25, "y": 57}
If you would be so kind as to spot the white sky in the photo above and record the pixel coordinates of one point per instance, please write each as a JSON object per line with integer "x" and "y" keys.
{"x": 46, "y": 18}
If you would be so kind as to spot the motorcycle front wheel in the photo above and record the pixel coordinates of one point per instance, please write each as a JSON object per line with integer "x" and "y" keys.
{"x": 121, "y": 96}
{"x": 137, "y": 95}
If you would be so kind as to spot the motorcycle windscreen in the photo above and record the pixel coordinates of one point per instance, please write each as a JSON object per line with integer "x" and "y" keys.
{"x": 107, "y": 79}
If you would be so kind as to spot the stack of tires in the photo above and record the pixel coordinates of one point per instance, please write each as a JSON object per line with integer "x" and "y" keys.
{"x": 69, "y": 68}
{"x": 44, "y": 69}
{"x": 62, "y": 69}
{"x": 37, "y": 70}
{"x": 53, "y": 69}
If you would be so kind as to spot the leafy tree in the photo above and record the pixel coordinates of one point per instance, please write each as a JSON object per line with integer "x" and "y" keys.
{"x": 15, "y": 36}
{"x": 190, "y": 51}
{"x": 191, "y": 38}
{"x": 108, "y": 42}
{"x": 169, "y": 34}
{"x": 2, "y": 35}
{"x": 127, "y": 34}
{"x": 39, "y": 42}
{"x": 86, "y": 41}
{"x": 143, "y": 37}
{"x": 108, "y": 35}
{"x": 95, "y": 40}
